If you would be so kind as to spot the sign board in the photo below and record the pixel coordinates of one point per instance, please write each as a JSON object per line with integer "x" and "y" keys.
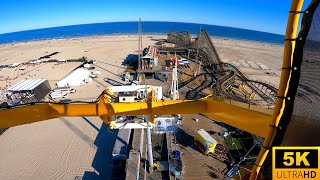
{"x": 295, "y": 163}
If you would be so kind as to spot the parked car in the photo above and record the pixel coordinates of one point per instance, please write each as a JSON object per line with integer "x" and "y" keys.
{"x": 57, "y": 95}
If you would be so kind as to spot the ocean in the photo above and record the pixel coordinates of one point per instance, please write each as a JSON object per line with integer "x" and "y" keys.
{"x": 148, "y": 27}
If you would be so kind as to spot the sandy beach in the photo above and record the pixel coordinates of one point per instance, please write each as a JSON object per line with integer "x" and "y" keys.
{"x": 66, "y": 148}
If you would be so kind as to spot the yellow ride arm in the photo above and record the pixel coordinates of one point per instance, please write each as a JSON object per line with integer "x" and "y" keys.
{"x": 243, "y": 116}
{"x": 236, "y": 114}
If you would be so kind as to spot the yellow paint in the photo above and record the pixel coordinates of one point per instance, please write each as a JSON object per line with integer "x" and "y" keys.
{"x": 234, "y": 113}
{"x": 243, "y": 88}
{"x": 40, "y": 112}
{"x": 238, "y": 92}
{"x": 291, "y": 33}
{"x": 253, "y": 95}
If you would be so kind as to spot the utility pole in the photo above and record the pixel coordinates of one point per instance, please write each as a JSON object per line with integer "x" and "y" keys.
{"x": 139, "y": 44}
{"x": 174, "y": 82}
{"x": 145, "y": 165}
{"x": 148, "y": 118}
{"x": 175, "y": 91}
{"x": 149, "y": 143}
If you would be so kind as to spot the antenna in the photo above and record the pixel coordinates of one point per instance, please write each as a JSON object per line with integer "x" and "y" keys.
{"x": 174, "y": 83}
{"x": 139, "y": 44}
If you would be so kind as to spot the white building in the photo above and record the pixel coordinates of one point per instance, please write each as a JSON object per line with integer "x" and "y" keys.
{"x": 75, "y": 78}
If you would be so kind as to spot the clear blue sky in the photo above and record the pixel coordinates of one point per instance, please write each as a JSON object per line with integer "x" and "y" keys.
{"x": 261, "y": 15}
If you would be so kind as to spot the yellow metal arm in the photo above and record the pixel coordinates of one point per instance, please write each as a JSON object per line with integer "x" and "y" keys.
{"x": 243, "y": 118}
{"x": 236, "y": 114}
{"x": 39, "y": 112}
{"x": 291, "y": 33}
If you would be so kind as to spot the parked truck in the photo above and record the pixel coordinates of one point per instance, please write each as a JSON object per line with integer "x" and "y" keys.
{"x": 57, "y": 95}
{"x": 64, "y": 90}
{"x": 205, "y": 142}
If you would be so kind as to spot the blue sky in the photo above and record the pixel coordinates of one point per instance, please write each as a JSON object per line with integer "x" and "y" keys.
{"x": 261, "y": 15}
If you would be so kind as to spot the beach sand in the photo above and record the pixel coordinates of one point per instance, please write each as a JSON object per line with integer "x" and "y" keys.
{"x": 67, "y": 148}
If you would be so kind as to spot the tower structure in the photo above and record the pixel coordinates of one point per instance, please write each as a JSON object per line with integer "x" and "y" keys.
{"x": 139, "y": 43}
{"x": 174, "y": 83}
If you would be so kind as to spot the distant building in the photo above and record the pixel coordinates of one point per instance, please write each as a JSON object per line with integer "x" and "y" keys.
{"x": 149, "y": 58}
{"x": 29, "y": 90}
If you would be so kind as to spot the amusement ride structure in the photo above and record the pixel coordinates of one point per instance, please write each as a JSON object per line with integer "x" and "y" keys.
{"x": 275, "y": 126}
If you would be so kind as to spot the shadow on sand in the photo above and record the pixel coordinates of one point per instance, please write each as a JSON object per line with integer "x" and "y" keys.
{"x": 159, "y": 40}
{"x": 102, "y": 162}
{"x": 131, "y": 60}
{"x": 113, "y": 82}
{"x": 111, "y": 64}
{"x": 186, "y": 140}
{"x": 90, "y": 123}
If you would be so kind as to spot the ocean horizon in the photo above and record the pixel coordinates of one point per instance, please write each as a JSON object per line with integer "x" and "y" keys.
{"x": 131, "y": 27}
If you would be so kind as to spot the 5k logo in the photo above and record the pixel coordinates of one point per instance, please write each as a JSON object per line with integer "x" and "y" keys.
{"x": 291, "y": 157}
{"x": 295, "y": 163}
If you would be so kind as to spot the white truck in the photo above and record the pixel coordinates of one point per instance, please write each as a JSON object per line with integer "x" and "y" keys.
{"x": 87, "y": 80}
{"x": 57, "y": 95}
{"x": 65, "y": 90}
